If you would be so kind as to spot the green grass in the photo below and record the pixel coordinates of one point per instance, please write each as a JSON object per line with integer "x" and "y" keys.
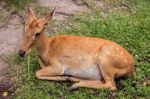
{"x": 18, "y": 4}
{"x": 131, "y": 29}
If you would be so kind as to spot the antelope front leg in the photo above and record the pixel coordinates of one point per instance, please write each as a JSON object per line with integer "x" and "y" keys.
{"x": 49, "y": 73}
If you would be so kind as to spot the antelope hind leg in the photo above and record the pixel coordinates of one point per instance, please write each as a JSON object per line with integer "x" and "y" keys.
{"x": 93, "y": 84}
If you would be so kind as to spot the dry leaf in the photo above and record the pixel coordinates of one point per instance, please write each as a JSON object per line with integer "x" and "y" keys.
{"x": 5, "y": 94}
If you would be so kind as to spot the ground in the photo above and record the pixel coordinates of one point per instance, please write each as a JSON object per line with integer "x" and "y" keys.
{"x": 124, "y": 22}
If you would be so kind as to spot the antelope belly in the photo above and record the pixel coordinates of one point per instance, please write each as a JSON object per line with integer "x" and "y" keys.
{"x": 91, "y": 73}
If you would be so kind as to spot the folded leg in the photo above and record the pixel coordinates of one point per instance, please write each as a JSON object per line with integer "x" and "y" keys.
{"x": 93, "y": 84}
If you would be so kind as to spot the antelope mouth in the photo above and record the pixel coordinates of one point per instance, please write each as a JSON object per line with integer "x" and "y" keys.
{"x": 21, "y": 53}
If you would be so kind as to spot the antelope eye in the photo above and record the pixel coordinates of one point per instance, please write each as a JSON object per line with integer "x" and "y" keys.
{"x": 37, "y": 33}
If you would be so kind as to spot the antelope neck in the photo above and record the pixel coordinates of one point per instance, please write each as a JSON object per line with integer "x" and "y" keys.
{"x": 41, "y": 43}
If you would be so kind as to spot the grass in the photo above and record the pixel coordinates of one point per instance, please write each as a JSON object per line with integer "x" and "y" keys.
{"x": 131, "y": 29}
{"x": 18, "y": 4}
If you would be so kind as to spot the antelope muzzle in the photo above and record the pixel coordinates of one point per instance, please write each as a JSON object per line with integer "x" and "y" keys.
{"x": 21, "y": 53}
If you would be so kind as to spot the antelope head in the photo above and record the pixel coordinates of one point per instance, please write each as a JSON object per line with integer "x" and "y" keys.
{"x": 33, "y": 28}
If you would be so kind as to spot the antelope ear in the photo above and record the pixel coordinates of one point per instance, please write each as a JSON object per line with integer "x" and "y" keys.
{"x": 31, "y": 14}
{"x": 49, "y": 16}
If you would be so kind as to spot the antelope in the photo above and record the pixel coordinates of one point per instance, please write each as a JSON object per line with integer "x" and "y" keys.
{"x": 87, "y": 61}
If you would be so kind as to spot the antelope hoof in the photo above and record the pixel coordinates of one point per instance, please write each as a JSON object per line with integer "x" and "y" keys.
{"x": 113, "y": 89}
{"x": 73, "y": 88}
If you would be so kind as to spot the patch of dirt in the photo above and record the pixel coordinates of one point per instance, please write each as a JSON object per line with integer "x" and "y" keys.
{"x": 10, "y": 38}
{"x": 63, "y": 8}
{"x": 6, "y": 89}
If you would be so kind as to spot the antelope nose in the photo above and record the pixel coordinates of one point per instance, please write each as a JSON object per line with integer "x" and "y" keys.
{"x": 21, "y": 53}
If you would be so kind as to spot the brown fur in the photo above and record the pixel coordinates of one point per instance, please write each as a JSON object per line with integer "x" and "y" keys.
{"x": 90, "y": 62}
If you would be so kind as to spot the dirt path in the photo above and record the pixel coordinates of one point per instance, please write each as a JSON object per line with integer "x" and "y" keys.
{"x": 10, "y": 38}
{"x": 63, "y": 8}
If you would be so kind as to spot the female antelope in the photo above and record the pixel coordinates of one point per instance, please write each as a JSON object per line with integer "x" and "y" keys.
{"x": 89, "y": 62}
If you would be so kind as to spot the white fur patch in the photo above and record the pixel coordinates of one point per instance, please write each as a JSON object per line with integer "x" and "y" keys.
{"x": 91, "y": 72}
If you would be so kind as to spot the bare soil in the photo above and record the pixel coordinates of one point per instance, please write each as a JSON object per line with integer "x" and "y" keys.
{"x": 63, "y": 8}
{"x": 10, "y": 38}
